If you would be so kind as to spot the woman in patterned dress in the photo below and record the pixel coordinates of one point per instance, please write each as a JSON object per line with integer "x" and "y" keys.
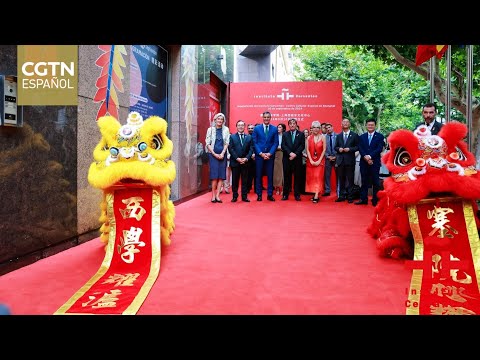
{"x": 218, "y": 136}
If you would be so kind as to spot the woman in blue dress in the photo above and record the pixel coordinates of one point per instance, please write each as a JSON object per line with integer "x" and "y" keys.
{"x": 218, "y": 136}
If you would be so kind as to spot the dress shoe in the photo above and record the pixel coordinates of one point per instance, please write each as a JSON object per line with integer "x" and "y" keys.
{"x": 374, "y": 203}
{"x": 297, "y": 198}
{"x": 361, "y": 202}
{"x": 245, "y": 200}
{"x": 284, "y": 197}
{"x": 259, "y": 198}
{"x": 340, "y": 199}
{"x": 350, "y": 201}
{"x": 234, "y": 199}
{"x": 326, "y": 194}
{"x": 270, "y": 198}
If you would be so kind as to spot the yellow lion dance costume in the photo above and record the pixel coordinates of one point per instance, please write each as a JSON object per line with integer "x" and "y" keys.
{"x": 138, "y": 151}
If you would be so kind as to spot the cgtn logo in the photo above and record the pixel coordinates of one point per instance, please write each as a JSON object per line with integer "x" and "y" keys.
{"x": 48, "y": 75}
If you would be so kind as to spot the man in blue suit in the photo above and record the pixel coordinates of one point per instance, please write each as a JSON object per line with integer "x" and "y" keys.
{"x": 241, "y": 149}
{"x": 371, "y": 145}
{"x": 265, "y": 142}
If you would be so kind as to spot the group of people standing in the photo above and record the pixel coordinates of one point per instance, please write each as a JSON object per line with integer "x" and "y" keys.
{"x": 306, "y": 159}
{"x": 370, "y": 146}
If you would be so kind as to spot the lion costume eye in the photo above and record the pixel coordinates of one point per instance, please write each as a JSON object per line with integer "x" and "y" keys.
{"x": 402, "y": 157}
{"x": 461, "y": 155}
{"x": 157, "y": 142}
{"x": 114, "y": 151}
{"x": 142, "y": 146}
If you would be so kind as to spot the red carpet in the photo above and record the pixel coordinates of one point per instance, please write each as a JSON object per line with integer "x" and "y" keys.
{"x": 282, "y": 257}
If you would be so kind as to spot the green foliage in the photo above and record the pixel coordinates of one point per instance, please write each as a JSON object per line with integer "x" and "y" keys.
{"x": 374, "y": 86}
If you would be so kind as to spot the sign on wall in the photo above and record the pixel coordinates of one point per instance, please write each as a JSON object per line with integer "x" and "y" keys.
{"x": 148, "y": 80}
{"x": 303, "y": 101}
{"x": 47, "y": 74}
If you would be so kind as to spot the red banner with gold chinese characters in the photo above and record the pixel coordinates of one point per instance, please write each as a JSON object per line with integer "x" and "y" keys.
{"x": 132, "y": 260}
{"x": 446, "y": 263}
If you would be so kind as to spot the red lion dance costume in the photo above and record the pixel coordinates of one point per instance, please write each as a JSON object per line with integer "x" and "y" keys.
{"x": 421, "y": 166}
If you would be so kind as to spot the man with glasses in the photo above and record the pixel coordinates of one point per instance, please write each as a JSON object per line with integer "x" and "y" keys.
{"x": 240, "y": 147}
{"x": 293, "y": 144}
{"x": 265, "y": 141}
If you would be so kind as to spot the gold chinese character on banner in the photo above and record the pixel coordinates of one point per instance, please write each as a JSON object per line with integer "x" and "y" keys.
{"x": 440, "y": 222}
{"x": 133, "y": 208}
{"x": 452, "y": 272}
{"x": 450, "y": 292}
{"x": 450, "y": 310}
{"x": 122, "y": 280}
{"x": 130, "y": 239}
{"x": 107, "y": 300}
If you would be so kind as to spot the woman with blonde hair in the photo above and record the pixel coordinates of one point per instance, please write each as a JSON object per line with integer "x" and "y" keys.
{"x": 216, "y": 141}
{"x": 316, "y": 147}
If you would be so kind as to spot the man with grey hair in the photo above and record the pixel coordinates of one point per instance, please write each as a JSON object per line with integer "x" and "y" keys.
{"x": 346, "y": 144}
{"x": 293, "y": 143}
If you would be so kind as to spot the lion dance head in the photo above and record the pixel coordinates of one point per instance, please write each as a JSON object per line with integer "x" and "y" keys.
{"x": 138, "y": 151}
{"x": 422, "y": 166}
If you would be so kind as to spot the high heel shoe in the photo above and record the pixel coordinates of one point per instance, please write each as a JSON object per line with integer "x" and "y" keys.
{"x": 218, "y": 200}
{"x": 214, "y": 200}
{"x": 315, "y": 200}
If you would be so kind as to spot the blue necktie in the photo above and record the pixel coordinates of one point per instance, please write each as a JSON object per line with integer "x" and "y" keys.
{"x": 369, "y": 138}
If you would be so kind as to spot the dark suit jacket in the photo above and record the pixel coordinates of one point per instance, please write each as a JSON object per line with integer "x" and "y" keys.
{"x": 435, "y": 127}
{"x": 374, "y": 149}
{"x": 296, "y": 146}
{"x": 262, "y": 144}
{"x": 330, "y": 150}
{"x": 346, "y": 158}
{"x": 237, "y": 150}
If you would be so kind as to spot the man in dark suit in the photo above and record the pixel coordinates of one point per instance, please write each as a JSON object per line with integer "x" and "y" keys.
{"x": 370, "y": 145}
{"x": 251, "y": 163}
{"x": 346, "y": 144}
{"x": 330, "y": 160}
{"x": 265, "y": 142}
{"x": 293, "y": 143}
{"x": 429, "y": 113}
{"x": 241, "y": 149}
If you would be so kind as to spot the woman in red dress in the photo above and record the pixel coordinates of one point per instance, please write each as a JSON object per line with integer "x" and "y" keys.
{"x": 316, "y": 147}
